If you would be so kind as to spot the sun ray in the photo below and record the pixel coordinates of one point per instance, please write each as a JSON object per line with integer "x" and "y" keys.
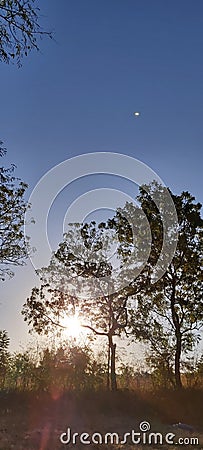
{"x": 72, "y": 326}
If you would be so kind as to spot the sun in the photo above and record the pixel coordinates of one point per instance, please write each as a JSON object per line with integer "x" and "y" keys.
{"x": 72, "y": 326}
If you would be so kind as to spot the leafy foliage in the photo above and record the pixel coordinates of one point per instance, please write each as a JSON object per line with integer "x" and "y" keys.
{"x": 81, "y": 277}
{"x": 170, "y": 312}
{"x": 19, "y": 29}
{"x": 69, "y": 367}
{"x": 113, "y": 299}
{"x": 13, "y": 249}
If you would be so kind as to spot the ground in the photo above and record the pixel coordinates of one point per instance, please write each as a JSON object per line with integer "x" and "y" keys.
{"x": 35, "y": 421}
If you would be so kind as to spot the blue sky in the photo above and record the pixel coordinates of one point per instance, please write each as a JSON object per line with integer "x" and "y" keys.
{"x": 78, "y": 94}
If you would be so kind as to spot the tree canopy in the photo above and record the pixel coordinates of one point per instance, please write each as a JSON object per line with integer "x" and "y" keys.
{"x": 13, "y": 245}
{"x": 19, "y": 29}
{"x": 170, "y": 312}
{"x": 118, "y": 295}
{"x": 80, "y": 277}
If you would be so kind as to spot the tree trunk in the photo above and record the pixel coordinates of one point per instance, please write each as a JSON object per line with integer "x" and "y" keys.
{"x": 177, "y": 360}
{"x": 112, "y": 347}
{"x": 176, "y": 323}
{"x": 108, "y": 368}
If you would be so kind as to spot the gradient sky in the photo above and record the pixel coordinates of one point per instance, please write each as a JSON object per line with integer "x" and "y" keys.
{"x": 78, "y": 94}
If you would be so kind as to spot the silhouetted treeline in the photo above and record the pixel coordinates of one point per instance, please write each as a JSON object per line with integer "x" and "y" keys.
{"x": 74, "y": 368}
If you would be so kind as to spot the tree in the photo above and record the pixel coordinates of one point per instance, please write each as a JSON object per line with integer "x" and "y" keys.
{"x": 19, "y": 29}
{"x": 23, "y": 371}
{"x": 13, "y": 245}
{"x": 4, "y": 356}
{"x": 160, "y": 358}
{"x": 81, "y": 277}
{"x": 170, "y": 312}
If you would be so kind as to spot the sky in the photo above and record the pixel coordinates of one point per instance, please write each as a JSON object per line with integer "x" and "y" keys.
{"x": 78, "y": 94}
